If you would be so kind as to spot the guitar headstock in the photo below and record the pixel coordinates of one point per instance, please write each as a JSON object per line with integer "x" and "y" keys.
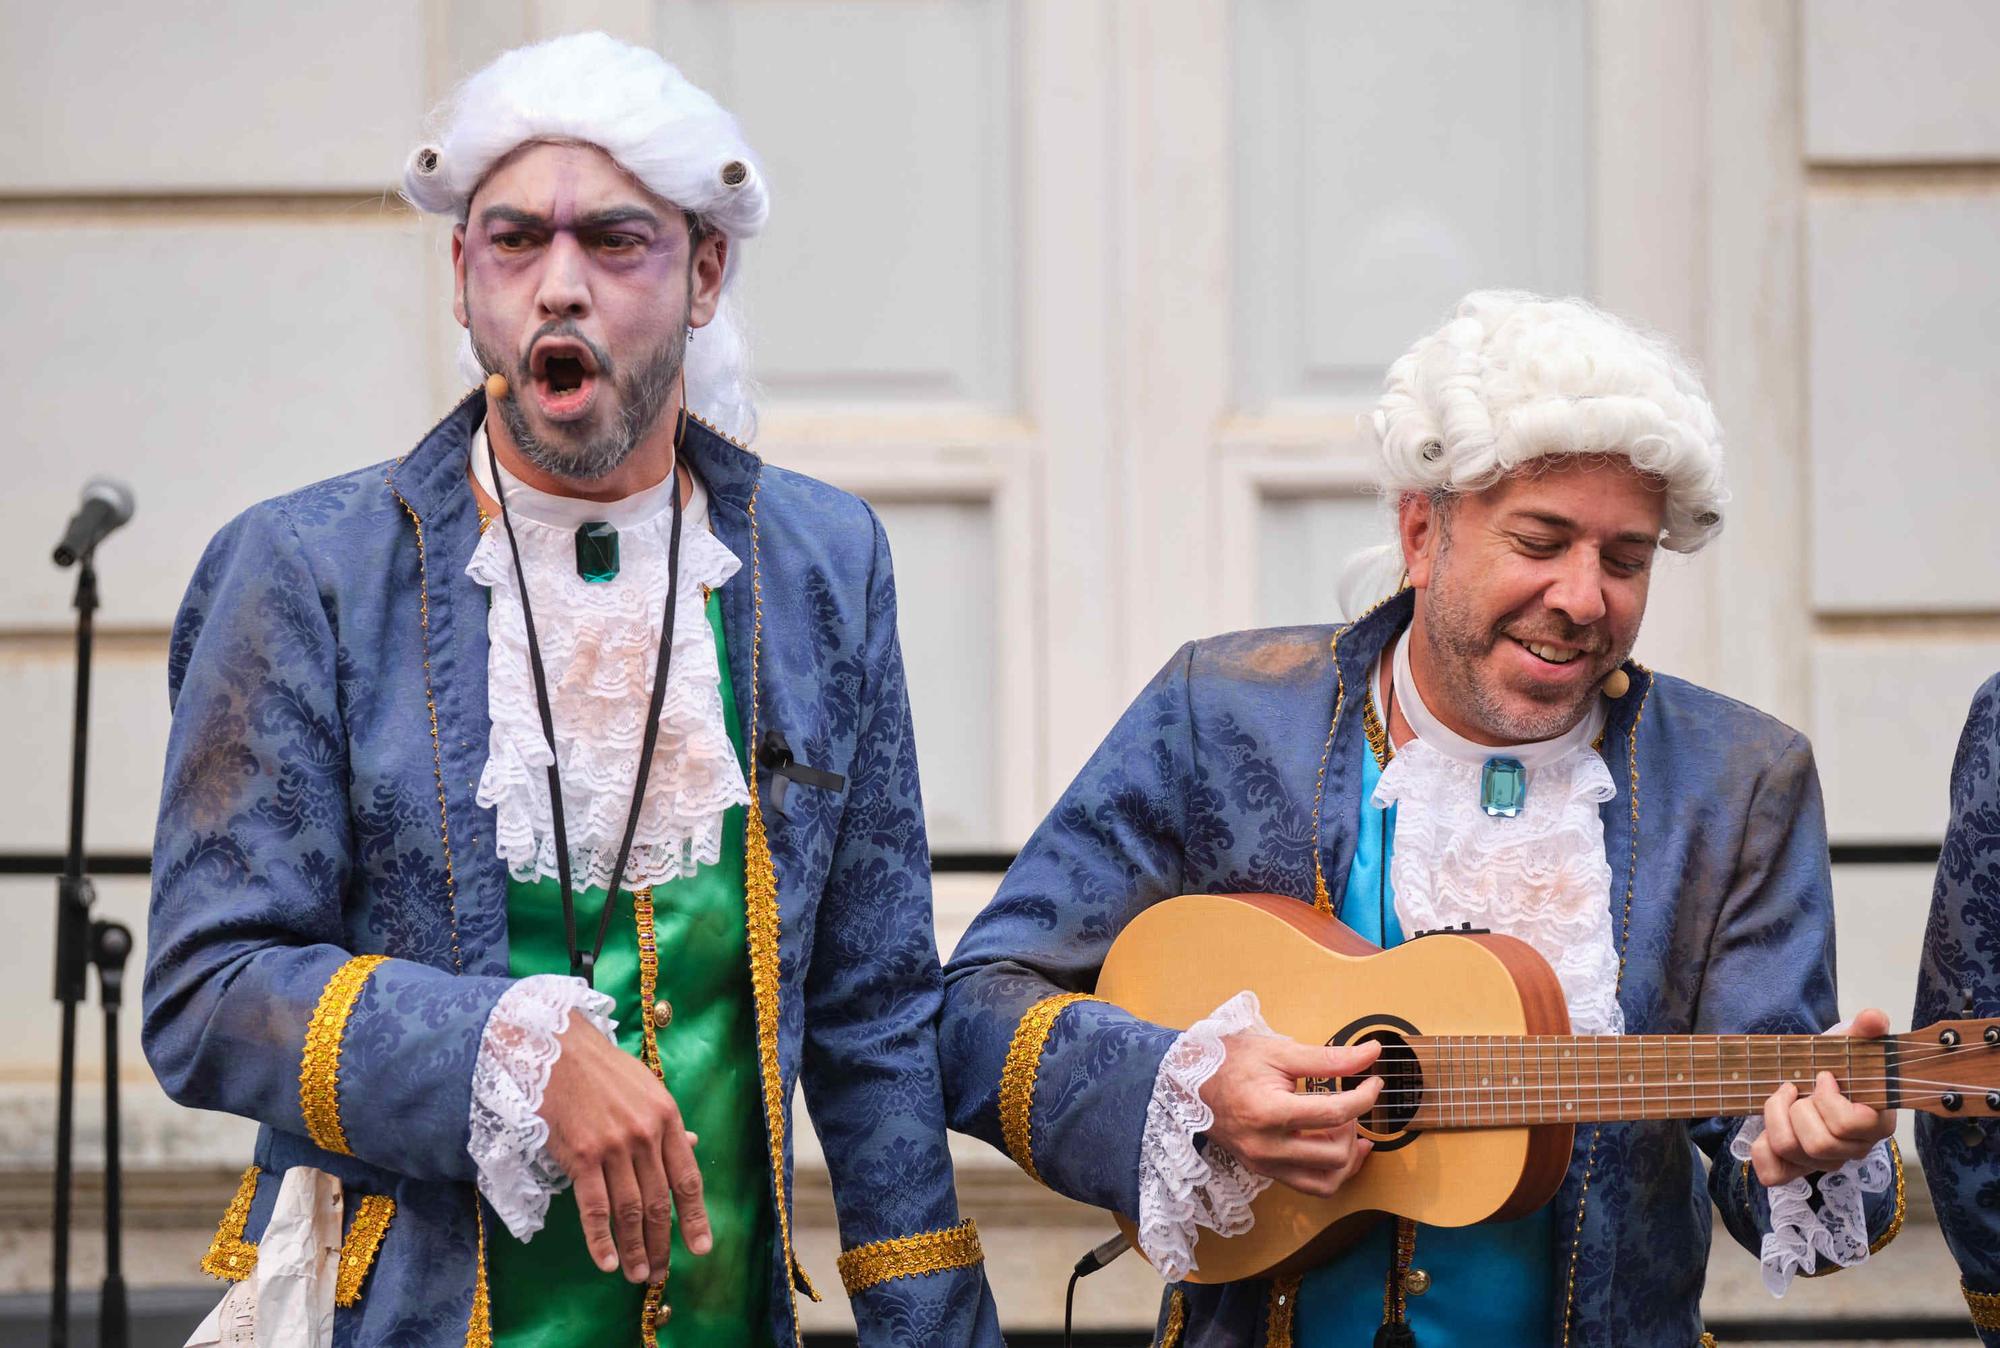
{"x": 1951, "y": 1068}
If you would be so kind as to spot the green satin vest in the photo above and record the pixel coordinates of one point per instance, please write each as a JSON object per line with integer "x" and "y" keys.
{"x": 547, "y": 1293}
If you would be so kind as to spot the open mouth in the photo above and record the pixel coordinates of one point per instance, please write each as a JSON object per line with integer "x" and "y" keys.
{"x": 1555, "y": 656}
{"x": 565, "y": 377}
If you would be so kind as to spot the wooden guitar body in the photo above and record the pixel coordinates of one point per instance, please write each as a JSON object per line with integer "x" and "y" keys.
{"x": 1318, "y": 982}
{"x": 1482, "y": 1083}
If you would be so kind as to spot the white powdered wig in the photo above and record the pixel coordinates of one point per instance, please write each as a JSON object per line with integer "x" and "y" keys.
{"x": 663, "y": 130}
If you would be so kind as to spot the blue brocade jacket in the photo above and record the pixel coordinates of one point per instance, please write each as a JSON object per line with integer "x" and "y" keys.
{"x": 1961, "y": 966}
{"x": 1722, "y": 905}
{"x": 329, "y": 916}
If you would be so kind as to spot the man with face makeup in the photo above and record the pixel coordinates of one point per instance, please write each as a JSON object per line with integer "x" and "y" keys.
{"x": 1478, "y": 749}
{"x": 541, "y": 806}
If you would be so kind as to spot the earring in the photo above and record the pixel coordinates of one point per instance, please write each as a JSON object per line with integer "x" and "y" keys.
{"x": 690, "y": 333}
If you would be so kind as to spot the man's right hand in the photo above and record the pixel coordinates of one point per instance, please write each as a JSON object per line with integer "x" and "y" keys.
{"x": 1305, "y": 1140}
{"x": 617, "y": 1134}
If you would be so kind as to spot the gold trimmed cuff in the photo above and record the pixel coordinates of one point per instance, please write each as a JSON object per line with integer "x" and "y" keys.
{"x": 229, "y": 1256}
{"x": 319, "y": 1068}
{"x": 1985, "y": 1308}
{"x": 362, "y": 1243}
{"x": 1017, "y": 1075}
{"x": 865, "y": 1266}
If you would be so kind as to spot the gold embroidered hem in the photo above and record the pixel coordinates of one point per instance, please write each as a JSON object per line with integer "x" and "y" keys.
{"x": 319, "y": 1069}
{"x": 1017, "y": 1075}
{"x": 1985, "y": 1307}
{"x": 864, "y": 1266}
{"x": 1279, "y": 1312}
{"x": 363, "y": 1242}
{"x": 1176, "y": 1324}
{"x": 229, "y": 1256}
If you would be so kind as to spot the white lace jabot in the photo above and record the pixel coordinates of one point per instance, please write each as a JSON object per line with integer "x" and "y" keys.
{"x": 599, "y": 643}
{"x": 1541, "y": 876}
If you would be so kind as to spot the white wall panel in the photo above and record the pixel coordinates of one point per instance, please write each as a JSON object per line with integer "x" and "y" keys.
{"x": 1389, "y": 159}
{"x": 1879, "y": 915}
{"x": 128, "y": 744}
{"x": 121, "y": 95}
{"x": 1904, "y": 402}
{"x": 1886, "y": 717}
{"x": 886, "y": 276}
{"x": 210, "y": 364}
{"x": 1911, "y": 81}
{"x": 1303, "y": 546}
{"x": 947, "y": 597}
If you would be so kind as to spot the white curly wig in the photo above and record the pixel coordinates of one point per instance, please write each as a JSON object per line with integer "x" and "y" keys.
{"x": 667, "y": 133}
{"x": 1514, "y": 377}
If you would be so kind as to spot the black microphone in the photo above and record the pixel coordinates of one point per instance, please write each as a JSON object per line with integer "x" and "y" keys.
{"x": 106, "y": 505}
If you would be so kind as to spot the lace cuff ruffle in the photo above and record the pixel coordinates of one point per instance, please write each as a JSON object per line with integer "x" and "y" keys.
{"x": 509, "y": 1141}
{"x": 1838, "y": 1231}
{"x": 1181, "y": 1186}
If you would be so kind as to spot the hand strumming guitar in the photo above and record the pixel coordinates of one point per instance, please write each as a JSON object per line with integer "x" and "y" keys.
{"x": 1824, "y": 1130}
{"x": 1305, "y": 1140}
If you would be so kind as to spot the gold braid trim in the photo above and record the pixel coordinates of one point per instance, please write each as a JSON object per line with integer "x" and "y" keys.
{"x": 230, "y": 1257}
{"x": 358, "y": 1250}
{"x": 319, "y": 1069}
{"x": 430, "y": 702}
{"x": 1985, "y": 1307}
{"x": 910, "y": 1256}
{"x": 1624, "y": 940}
{"x": 1895, "y": 1227}
{"x": 479, "y": 1326}
{"x": 1176, "y": 1325}
{"x": 1705, "y": 1341}
{"x": 1017, "y": 1075}
{"x": 649, "y": 1053}
{"x": 760, "y": 897}
{"x": 1279, "y": 1310}
{"x": 1322, "y": 896}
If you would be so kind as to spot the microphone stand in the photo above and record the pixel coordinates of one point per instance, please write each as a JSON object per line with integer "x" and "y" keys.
{"x": 80, "y": 943}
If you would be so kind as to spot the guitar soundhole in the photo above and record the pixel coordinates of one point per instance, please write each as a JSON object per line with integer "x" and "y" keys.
{"x": 1402, "y": 1088}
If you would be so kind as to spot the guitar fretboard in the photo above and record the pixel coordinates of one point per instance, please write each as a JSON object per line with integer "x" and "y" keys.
{"x": 1503, "y": 1081}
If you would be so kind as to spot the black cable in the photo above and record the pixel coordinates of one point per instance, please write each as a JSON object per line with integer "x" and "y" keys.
{"x": 1097, "y": 1257}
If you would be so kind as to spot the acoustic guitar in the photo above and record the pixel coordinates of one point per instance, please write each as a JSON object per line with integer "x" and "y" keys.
{"x": 1483, "y": 1085}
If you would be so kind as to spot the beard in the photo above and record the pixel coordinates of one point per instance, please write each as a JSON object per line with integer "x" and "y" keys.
{"x": 1461, "y": 640}
{"x": 589, "y": 451}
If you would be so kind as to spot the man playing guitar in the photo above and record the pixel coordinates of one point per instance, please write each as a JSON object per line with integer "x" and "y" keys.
{"x": 1477, "y": 749}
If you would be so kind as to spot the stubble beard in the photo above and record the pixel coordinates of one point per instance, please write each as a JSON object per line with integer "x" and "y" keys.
{"x": 590, "y": 452}
{"x": 1461, "y": 641}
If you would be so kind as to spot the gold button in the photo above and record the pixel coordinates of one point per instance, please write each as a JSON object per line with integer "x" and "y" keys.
{"x": 663, "y": 1014}
{"x": 1416, "y": 1282}
{"x": 662, "y": 1315}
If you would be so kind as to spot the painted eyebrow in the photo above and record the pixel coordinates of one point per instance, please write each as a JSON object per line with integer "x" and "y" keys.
{"x": 1564, "y": 523}
{"x": 597, "y": 220}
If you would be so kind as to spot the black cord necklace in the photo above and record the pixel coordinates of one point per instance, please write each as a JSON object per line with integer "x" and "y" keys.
{"x": 583, "y": 964}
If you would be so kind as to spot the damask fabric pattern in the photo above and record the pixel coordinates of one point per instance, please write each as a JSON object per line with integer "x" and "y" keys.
{"x": 329, "y": 676}
{"x": 1206, "y": 784}
{"x": 1961, "y": 963}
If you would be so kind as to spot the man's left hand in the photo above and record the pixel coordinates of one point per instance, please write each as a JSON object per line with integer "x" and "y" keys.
{"x": 1822, "y": 1131}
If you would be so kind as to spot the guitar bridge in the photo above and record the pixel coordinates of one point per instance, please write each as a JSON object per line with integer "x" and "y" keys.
{"x": 1462, "y": 929}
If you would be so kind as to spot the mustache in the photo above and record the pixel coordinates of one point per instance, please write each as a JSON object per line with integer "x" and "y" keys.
{"x": 1560, "y": 632}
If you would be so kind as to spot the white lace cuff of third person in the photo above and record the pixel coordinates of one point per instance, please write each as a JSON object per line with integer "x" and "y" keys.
{"x": 1838, "y": 1231}
{"x": 1182, "y": 1186}
{"x": 509, "y": 1142}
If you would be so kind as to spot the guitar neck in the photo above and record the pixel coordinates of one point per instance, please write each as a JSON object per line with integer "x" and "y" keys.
{"x": 1490, "y": 1081}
